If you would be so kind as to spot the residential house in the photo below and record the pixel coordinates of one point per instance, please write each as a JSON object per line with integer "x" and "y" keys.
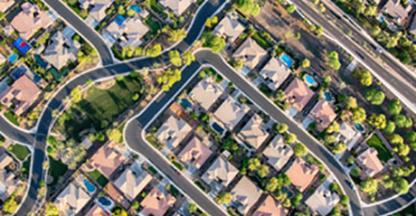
{"x": 5, "y": 4}
{"x": 21, "y": 95}
{"x": 8, "y": 184}
{"x": 72, "y": 199}
{"x": 206, "y": 92}
{"x": 132, "y": 181}
{"x": 220, "y": 173}
{"x": 370, "y": 163}
{"x": 298, "y": 95}
{"x": 173, "y": 131}
{"x": 96, "y": 9}
{"x": 30, "y": 20}
{"x": 254, "y": 132}
{"x": 245, "y": 194}
{"x": 106, "y": 159}
{"x": 195, "y": 153}
{"x": 278, "y": 152}
{"x": 270, "y": 207}
{"x": 128, "y": 32}
{"x": 115, "y": 195}
{"x": 251, "y": 53}
{"x": 96, "y": 210}
{"x": 177, "y": 6}
{"x": 323, "y": 200}
{"x": 302, "y": 174}
{"x": 61, "y": 51}
{"x": 348, "y": 134}
{"x": 229, "y": 28}
{"x": 274, "y": 73}
{"x": 157, "y": 203}
{"x": 5, "y": 159}
{"x": 231, "y": 112}
{"x": 322, "y": 114}
{"x": 394, "y": 10}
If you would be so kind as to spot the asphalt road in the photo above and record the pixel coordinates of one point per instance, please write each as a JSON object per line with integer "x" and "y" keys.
{"x": 14, "y": 133}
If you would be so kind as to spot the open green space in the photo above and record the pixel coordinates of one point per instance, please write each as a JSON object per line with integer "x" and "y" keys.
{"x": 11, "y": 117}
{"x": 98, "y": 178}
{"x": 20, "y": 151}
{"x": 56, "y": 169}
{"x": 383, "y": 153}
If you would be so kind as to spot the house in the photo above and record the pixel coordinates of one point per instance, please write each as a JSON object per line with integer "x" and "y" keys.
{"x": 96, "y": 210}
{"x": 220, "y": 173}
{"x": 251, "y": 53}
{"x": 5, "y": 159}
{"x": 274, "y": 73}
{"x": 21, "y": 95}
{"x": 177, "y": 6}
{"x": 369, "y": 162}
{"x": 96, "y": 9}
{"x": 128, "y": 32}
{"x": 229, "y": 28}
{"x": 322, "y": 114}
{"x": 231, "y": 112}
{"x": 278, "y": 152}
{"x": 157, "y": 203}
{"x": 8, "y": 184}
{"x": 132, "y": 181}
{"x": 394, "y": 10}
{"x": 245, "y": 194}
{"x": 206, "y": 92}
{"x": 72, "y": 199}
{"x": 302, "y": 174}
{"x": 61, "y": 51}
{"x": 173, "y": 131}
{"x": 297, "y": 95}
{"x": 5, "y": 4}
{"x": 348, "y": 134}
{"x": 323, "y": 200}
{"x": 106, "y": 159}
{"x": 254, "y": 132}
{"x": 195, "y": 153}
{"x": 270, "y": 207}
{"x": 30, "y": 20}
{"x": 115, "y": 195}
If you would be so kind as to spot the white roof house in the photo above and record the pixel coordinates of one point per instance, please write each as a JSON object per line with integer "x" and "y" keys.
{"x": 348, "y": 134}
{"x": 254, "y": 132}
{"x": 61, "y": 51}
{"x": 97, "y": 8}
{"x": 206, "y": 92}
{"x": 278, "y": 153}
{"x": 127, "y": 31}
{"x": 245, "y": 194}
{"x": 274, "y": 73}
{"x": 177, "y": 6}
{"x": 131, "y": 182}
{"x": 173, "y": 131}
{"x": 72, "y": 199}
{"x": 370, "y": 163}
{"x": 229, "y": 28}
{"x": 221, "y": 171}
{"x": 251, "y": 53}
{"x": 322, "y": 201}
{"x": 231, "y": 112}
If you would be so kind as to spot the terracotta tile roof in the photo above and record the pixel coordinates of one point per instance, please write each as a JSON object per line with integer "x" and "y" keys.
{"x": 195, "y": 153}
{"x": 369, "y": 162}
{"x": 270, "y": 207}
{"x": 298, "y": 94}
{"x": 106, "y": 160}
{"x": 157, "y": 203}
{"x": 323, "y": 114}
{"x": 302, "y": 174}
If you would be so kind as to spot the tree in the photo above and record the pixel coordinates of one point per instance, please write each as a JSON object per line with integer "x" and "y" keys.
{"x": 299, "y": 150}
{"x": 248, "y": 7}
{"x": 369, "y": 186}
{"x": 263, "y": 171}
{"x": 154, "y": 50}
{"x": 411, "y": 136}
{"x": 403, "y": 121}
{"x": 333, "y": 127}
{"x": 51, "y": 210}
{"x": 291, "y": 8}
{"x": 224, "y": 198}
{"x": 253, "y": 164}
{"x": 230, "y": 145}
{"x": 339, "y": 148}
{"x": 401, "y": 186}
{"x": 351, "y": 103}
{"x": 216, "y": 43}
{"x": 192, "y": 208}
{"x": 364, "y": 76}
{"x": 76, "y": 94}
{"x": 188, "y": 58}
{"x": 169, "y": 78}
{"x": 175, "y": 58}
{"x": 394, "y": 107}
{"x": 296, "y": 200}
{"x": 10, "y": 205}
{"x": 390, "y": 128}
{"x": 115, "y": 135}
{"x": 175, "y": 35}
{"x": 333, "y": 60}
{"x": 118, "y": 211}
{"x": 282, "y": 128}
{"x": 374, "y": 96}
{"x": 396, "y": 139}
{"x": 306, "y": 63}
{"x": 378, "y": 121}
{"x": 272, "y": 184}
{"x": 211, "y": 22}
{"x": 358, "y": 115}
{"x": 290, "y": 138}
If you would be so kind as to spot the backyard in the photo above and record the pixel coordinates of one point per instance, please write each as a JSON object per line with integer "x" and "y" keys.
{"x": 383, "y": 153}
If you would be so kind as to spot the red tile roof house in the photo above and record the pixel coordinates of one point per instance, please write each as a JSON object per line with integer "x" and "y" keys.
{"x": 21, "y": 95}
{"x": 369, "y": 162}
{"x": 194, "y": 154}
{"x": 322, "y": 114}
{"x": 270, "y": 207}
{"x": 106, "y": 159}
{"x": 298, "y": 95}
{"x": 30, "y": 20}
{"x": 157, "y": 203}
{"x": 302, "y": 174}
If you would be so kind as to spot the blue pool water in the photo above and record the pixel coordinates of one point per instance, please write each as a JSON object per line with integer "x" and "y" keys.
{"x": 359, "y": 127}
{"x": 328, "y": 96}
{"x": 90, "y": 187}
{"x": 13, "y": 57}
{"x": 287, "y": 60}
{"x": 185, "y": 103}
{"x": 217, "y": 128}
{"x": 105, "y": 201}
{"x": 136, "y": 8}
{"x": 310, "y": 80}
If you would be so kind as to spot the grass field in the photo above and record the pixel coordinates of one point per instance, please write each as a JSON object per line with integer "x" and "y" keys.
{"x": 21, "y": 152}
{"x": 383, "y": 153}
{"x": 98, "y": 178}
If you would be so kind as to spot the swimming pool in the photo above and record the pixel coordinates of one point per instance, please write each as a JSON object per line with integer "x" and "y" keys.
{"x": 90, "y": 187}
{"x": 310, "y": 80}
{"x": 105, "y": 202}
{"x": 287, "y": 60}
{"x": 185, "y": 103}
{"x": 12, "y": 58}
{"x": 328, "y": 96}
{"x": 359, "y": 127}
{"x": 217, "y": 128}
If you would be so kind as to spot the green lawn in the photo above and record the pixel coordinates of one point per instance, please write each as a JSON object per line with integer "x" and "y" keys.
{"x": 153, "y": 25}
{"x": 56, "y": 169}
{"x": 11, "y": 117}
{"x": 383, "y": 153}
{"x": 261, "y": 40}
{"x": 98, "y": 178}
{"x": 20, "y": 151}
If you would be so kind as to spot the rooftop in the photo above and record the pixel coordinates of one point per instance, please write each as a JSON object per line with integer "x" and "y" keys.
{"x": 323, "y": 200}
{"x": 275, "y": 72}
{"x": 61, "y": 51}
{"x": 72, "y": 199}
{"x": 369, "y": 162}
{"x": 229, "y": 27}
{"x": 195, "y": 153}
{"x": 302, "y": 174}
{"x": 254, "y": 132}
{"x": 106, "y": 159}
{"x": 221, "y": 171}
{"x": 206, "y": 92}
{"x": 323, "y": 114}
{"x": 270, "y": 207}
{"x": 157, "y": 203}
{"x": 132, "y": 181}
{"x": 173, "y": 131}
{"x": 245, "y": 194}
{"x": 177, "y": 6}
{"x": 250, "y": 52}
{"x": 231, "y": 112}
{"x": 5, "y": 4}
{"x": 298, "y": 94}
{"x": 128, "y": 32}
{"x": 278, "y": 153}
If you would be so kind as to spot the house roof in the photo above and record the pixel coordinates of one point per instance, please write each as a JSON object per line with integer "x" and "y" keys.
{"x": 245, "y": 193}
{"x": 72, "y": 199}
{"x": 206, "y": 92}
{"x": 270, "y": 207}
{"x": 5, "y": 4}
{"x": 96, "y": 210}
{"x": 323, "y": 200}
{"x": 275, "y": 72}
{"x": 98, "y": 9}
{"x": 254, "y": 132}
{"x": 395, "y": 9}
{"x": 8, "y": 184}
{"x": 347, "y": 131}
{"x": 5, "y": 159}
{"x": 106, "y": 159}
{"x": 278, "y": 153}
{"x": 131, "y": 183}
{"x": 231, "y": 112}
{"x": 156, "y": 203}
{"x": 301, "y": 174}
{"x": 369, "y": 162}
{"x": 177, "y": 6}
{"x": 250, "y": 52}
{"x": 173, "y": 131}
{"x": 61, "y": 51}
{"x": 195, "y": 153}
{"x": 21, "y": 94}
{"x": 30, "y": 20}
{"x": 323, "y": 114}
{"x": 298, "y": 94}
{"x": 221, "y": 170}
{"x": 229, "y": 27}
{"x": 129, "y": 32}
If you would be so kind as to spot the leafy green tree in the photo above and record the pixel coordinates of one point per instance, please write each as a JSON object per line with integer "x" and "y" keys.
{"x": 272, "y": 184}
{"x": 401, "y": 186}
{"x": 115, "y": 135}
{"x": 299, "y": 150}
{"x": 291, "y": 8}
{"x": 118, "y": 211}
{"x": 175, "y": 58}
{"x": 263, "y": 171}
{"x": 390, "y": 128}
{"x": 358, "y": 115}
{"x": 216, "y": 43}
{"x": 188, "y": 58}
{"x": 364, "y": 76}
{"x": 351, "y": 103}
{"x": 211, "y": 22}
{"x": 224, "y": 198}
{"x": 394, "y": 107}
{"x": 248, "y": 7}
{"x": 10, "y": 205}
{"x": 369, "y": 186}
{"x": 396, "y": 139}
{"x": 154, "y": 50}
{"x": 169, "y": 78}
{"x": 175, "y": 35}
{"x": 290, "y": 138}
{"x": 378, "y": 121}
{"x": 306, "y": 63}
{"x": 333, "y": 127}
{"x": 297, "y": 199}
{"x": 339, "y": 148}
{"x": 253, "y": 164}
{"x": 403, "y": 121}
{"x": 192, "y": 208}
{"x": 333, "y": 60}
{"x": 51, "y": 210}
{"x": 282, "y": 128}
{"x": 374, "y": 96}
{"x": 76, "y": 94}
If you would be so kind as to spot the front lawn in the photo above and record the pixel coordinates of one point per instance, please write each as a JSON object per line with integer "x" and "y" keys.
{"x": 20, "y": 151}
{"x": 383, "y": 153}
